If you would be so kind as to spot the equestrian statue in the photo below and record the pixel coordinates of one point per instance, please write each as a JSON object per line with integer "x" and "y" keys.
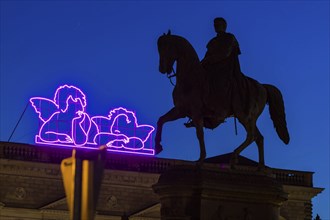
{"x": 211, "y": 90}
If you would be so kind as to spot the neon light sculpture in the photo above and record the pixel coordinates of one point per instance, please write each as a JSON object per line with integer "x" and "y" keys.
{"x": 64, "y": 122}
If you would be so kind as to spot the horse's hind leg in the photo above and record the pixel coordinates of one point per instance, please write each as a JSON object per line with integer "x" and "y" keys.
{"x": 171, "y": 115}
{"x": 260, "y": 143}
{"x": 250, "y": 137}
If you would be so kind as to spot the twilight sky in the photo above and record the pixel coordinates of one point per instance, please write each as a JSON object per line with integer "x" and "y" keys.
{"x": 108, "y": 49}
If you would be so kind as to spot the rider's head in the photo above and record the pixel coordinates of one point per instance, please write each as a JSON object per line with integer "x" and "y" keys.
{"x": 220, "y": 25}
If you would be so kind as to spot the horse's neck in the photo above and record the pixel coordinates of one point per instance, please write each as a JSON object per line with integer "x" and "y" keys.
{"x": 188, "y": 65}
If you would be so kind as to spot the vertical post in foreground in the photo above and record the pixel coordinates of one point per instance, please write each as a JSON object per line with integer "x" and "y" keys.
{"x": 82, "y": 177}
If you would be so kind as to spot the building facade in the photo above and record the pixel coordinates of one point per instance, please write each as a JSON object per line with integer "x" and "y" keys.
{"x": 31, "y": 185}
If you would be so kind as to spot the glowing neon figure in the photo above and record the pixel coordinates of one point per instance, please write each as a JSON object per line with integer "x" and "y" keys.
{"x": 64, "y": 122}
{"x": 121, "y": 121}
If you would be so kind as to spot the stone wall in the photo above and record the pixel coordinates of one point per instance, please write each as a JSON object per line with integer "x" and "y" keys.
{"x": 31, "y": 186}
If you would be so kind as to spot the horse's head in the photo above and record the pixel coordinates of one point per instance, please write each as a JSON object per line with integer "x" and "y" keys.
{"x": 167, "y": 53}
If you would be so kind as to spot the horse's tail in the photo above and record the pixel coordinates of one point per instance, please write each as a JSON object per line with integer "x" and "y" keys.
{"x": 277, "y": 113}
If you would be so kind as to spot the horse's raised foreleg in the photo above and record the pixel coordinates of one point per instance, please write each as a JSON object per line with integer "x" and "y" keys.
{"x": 171, "y": 115}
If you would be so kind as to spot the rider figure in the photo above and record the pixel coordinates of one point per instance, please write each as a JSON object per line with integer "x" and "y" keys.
{"x": 221, "y": 49}
{"x": 222, "y": 66}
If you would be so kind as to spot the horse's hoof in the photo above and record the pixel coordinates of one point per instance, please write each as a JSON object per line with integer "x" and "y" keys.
{"x": 261, "y": 167}
{"x": 201, "y": 159}
{"x": 233, "y": 161}
{"x": 189, "y": 124}
{"x": 158, "y": 148}
{"x": 199, "y": 163}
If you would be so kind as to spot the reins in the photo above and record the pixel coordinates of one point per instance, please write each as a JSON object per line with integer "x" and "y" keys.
{"x": 170, "y": 76}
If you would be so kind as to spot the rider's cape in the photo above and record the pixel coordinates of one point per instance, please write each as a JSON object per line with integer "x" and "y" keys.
{"x": 228, "y": 86}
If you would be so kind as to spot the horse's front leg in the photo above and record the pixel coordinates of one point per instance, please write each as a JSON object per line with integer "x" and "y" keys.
{"x": 198, "y": 122}
{"x": 171, "y": 115}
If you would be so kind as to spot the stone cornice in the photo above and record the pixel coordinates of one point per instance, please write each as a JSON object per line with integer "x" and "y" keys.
{"x": 138, "y": 164}
{"x": 45, "y": 214}
{"x": 54, "y": 204}
{"x": 23, "y": 168}
{"x": 126, "y": 178}
{"x": 52, "y": 171}
{"x": 301, "y": 193}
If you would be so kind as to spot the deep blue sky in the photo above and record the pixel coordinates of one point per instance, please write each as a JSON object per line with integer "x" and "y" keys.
{"x": 108, "y": 49}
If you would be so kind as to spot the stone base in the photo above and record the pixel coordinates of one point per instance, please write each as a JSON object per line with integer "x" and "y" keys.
{"x": 190, "y": 192}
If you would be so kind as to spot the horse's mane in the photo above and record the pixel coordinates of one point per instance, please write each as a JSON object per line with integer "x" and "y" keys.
{"x": 181, "y": 44}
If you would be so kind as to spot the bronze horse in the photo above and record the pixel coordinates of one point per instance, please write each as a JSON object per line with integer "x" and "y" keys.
{"x": 208, "y": 106}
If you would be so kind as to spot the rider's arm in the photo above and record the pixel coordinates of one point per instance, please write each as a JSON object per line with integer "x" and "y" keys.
{"x": 232, "y": 46}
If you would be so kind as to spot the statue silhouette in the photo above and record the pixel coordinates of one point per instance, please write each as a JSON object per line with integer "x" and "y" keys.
{"x": 208, "y": 98}
{"x": 222, "y": 65}
{"x": 221, "y": 48}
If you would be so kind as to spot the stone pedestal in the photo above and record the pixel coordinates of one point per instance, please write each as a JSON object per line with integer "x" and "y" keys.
{"x": 190, "y": 192}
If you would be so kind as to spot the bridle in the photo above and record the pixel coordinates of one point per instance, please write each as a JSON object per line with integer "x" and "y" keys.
{"x": 171, "y": 75}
